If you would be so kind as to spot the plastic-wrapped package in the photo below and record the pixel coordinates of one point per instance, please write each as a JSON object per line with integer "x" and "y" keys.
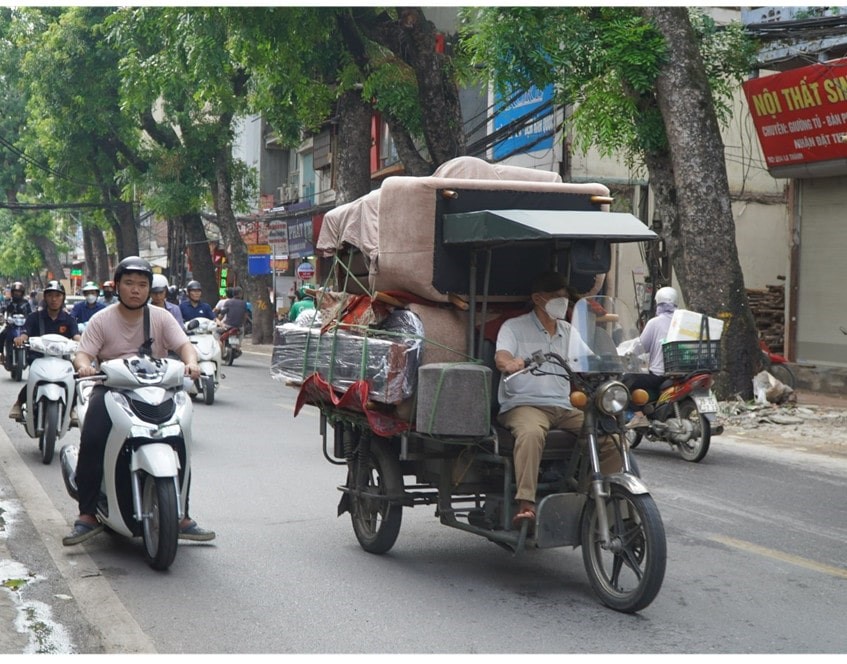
{"x": 387, "y": 358}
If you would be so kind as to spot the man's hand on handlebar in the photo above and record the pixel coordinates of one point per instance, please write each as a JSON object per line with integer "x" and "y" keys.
{"x": 513, "y": 366}
{"x": 86, "y": 371}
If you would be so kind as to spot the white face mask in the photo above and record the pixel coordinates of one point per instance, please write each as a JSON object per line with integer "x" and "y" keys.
{"x": 91, "y": 299}
{"x": 557, "y": 308}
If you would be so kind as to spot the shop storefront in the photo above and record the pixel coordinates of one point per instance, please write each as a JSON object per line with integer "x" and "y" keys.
{"x": 800, "y": 117}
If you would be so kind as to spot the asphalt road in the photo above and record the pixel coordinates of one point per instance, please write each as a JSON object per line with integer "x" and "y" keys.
{"x": 756, "y": 560}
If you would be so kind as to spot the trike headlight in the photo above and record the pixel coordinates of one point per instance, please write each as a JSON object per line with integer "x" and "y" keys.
{"x": 612, "y": 398}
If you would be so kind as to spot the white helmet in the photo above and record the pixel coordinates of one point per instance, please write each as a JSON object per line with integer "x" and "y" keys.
{"x": 160, "y": 283}
{"x": 667, "y": 294}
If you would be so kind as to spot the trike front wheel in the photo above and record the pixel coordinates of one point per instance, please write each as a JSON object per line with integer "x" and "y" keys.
{"x": 628, "y": 572}
{"x": 376, "y": 521}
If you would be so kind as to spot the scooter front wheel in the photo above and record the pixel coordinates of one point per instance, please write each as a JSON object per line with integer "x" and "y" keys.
{"x": 695, "y": 448}
{"x": 160, "y": 527}
{"x": 628, "y": 573}
{"x": 47, "y": 441}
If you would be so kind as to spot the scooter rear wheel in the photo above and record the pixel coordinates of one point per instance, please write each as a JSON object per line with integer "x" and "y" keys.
{"x": 160, "y": 528}
{"x": 47, "y": 442}
{"x": 628, "y": 574}
{"x": 695, "y": 449}
{"x": 208, "y": 389}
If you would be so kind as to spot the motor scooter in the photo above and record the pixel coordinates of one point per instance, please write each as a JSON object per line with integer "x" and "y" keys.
{"x": 231, "y": 339}
{"x": 684, "y": 415}
{"x": 201, "y": 333}
{"x": 147, "y": 460}
{"x": 50, "y": 390}
{"x": 15, "y": 356}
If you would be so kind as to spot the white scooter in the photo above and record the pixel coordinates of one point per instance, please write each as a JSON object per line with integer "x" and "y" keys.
{"x": 201, "y": 333}
{"x": 50, "y": 390}
{"x": 142, "y": 492}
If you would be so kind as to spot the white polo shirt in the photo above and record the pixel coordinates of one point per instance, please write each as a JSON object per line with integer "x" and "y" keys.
{"x": 522, "y": 336}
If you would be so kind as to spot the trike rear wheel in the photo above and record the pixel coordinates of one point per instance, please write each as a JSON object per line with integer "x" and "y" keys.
{"x": 376, "y": 521}
{"x": 628, "y": 573}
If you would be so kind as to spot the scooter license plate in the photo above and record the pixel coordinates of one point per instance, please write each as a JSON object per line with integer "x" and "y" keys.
{"x": 706, "y": 404}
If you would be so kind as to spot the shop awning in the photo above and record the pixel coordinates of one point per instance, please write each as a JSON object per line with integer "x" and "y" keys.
{"x": 498, "y": 226}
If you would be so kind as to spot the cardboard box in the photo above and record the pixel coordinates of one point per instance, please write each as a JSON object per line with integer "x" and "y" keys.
{"x": 686, "y": 326}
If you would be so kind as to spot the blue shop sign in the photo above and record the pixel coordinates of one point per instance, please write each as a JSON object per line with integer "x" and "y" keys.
{"x": 536, "y": 108}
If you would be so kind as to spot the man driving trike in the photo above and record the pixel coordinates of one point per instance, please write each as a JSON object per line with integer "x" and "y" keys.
{"x": 532, "y": 405}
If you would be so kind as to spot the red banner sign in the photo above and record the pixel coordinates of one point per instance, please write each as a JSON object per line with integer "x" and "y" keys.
{"x": 801, "y": 115}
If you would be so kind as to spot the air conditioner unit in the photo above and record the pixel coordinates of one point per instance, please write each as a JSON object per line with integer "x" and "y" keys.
{"x": 294, "y": 179}
{"x": 286, "y": 193}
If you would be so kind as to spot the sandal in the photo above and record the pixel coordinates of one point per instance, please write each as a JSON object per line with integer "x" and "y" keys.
{"x": 526, "y": 514}
{"x": 82, "y": 531}
{"x": 191, "y": 531}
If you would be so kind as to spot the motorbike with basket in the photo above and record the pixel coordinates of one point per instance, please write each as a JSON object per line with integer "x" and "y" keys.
{"x": 451, "y": 453}
{"x": 202, "y": 334}
{"x": 15, "y": 356}
{"x": 50, "y": 388}
{"x": 683, "y": 414}
{"x": 147, "y": 463}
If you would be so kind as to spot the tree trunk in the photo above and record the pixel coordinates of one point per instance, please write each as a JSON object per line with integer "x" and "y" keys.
{"x": 125, "y": 228}
{"x": 712, "y": 271}
{"x": 257, "y": 288}
{"x": 352, "y": 163}
{"x": 88, "y": 251}
{"x": 101, "y": 255}
{"x": 199, "y": 256}
{"x": 51, "y": 256}
{"x": 176, "y": 253}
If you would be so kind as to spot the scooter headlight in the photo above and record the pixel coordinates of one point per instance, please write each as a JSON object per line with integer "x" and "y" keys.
{"x": 612, "y": 398}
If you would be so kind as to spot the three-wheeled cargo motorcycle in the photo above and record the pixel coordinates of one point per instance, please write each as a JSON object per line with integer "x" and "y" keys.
{"x": 448, "y": 449}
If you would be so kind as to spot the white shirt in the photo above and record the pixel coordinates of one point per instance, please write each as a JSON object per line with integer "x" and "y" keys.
{"x": 523, "y": 336}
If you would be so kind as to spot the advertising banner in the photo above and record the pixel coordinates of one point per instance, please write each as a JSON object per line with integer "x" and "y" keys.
{"x": 801, "y": 115}
{"x": 533, "y": 105}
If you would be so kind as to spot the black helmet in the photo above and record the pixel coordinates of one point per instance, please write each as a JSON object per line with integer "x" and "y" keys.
{"x": 133, "y": 264}
{"x": 193, "y": 285}
{"x": 17, "y": 286}
{"x": 54, "y": 287}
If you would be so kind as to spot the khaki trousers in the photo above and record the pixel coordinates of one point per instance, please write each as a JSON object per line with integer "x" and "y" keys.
{"x": 529, "y": 425}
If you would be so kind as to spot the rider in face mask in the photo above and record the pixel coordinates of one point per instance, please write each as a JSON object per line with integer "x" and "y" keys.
{"x": 83, "y": 311}
{"x": 531, "y": 405}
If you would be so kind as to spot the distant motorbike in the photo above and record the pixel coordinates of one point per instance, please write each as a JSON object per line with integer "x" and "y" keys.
{"x": 201, "y": 333}
{"x": 15, "y": 356}
{"x": 49, "y": 391}
{"x": 143, "y": 494}
{"x": 231, "y": 339}
{"x": 684, "y": 415}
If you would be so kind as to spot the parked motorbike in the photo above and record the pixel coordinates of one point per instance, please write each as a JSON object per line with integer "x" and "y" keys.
{"x": 143, "y": 493}
{"x": 231, "y": 339}
{"x": 50, "y": 390}
{"x": 776, "y": 365}
{"x": 15, "y": 356}
{"x": 201, "y": 333}
{"x": 684, "y": 415}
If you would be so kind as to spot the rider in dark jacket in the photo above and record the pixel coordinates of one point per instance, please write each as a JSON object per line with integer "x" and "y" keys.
{"x": 17, "y": 305}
